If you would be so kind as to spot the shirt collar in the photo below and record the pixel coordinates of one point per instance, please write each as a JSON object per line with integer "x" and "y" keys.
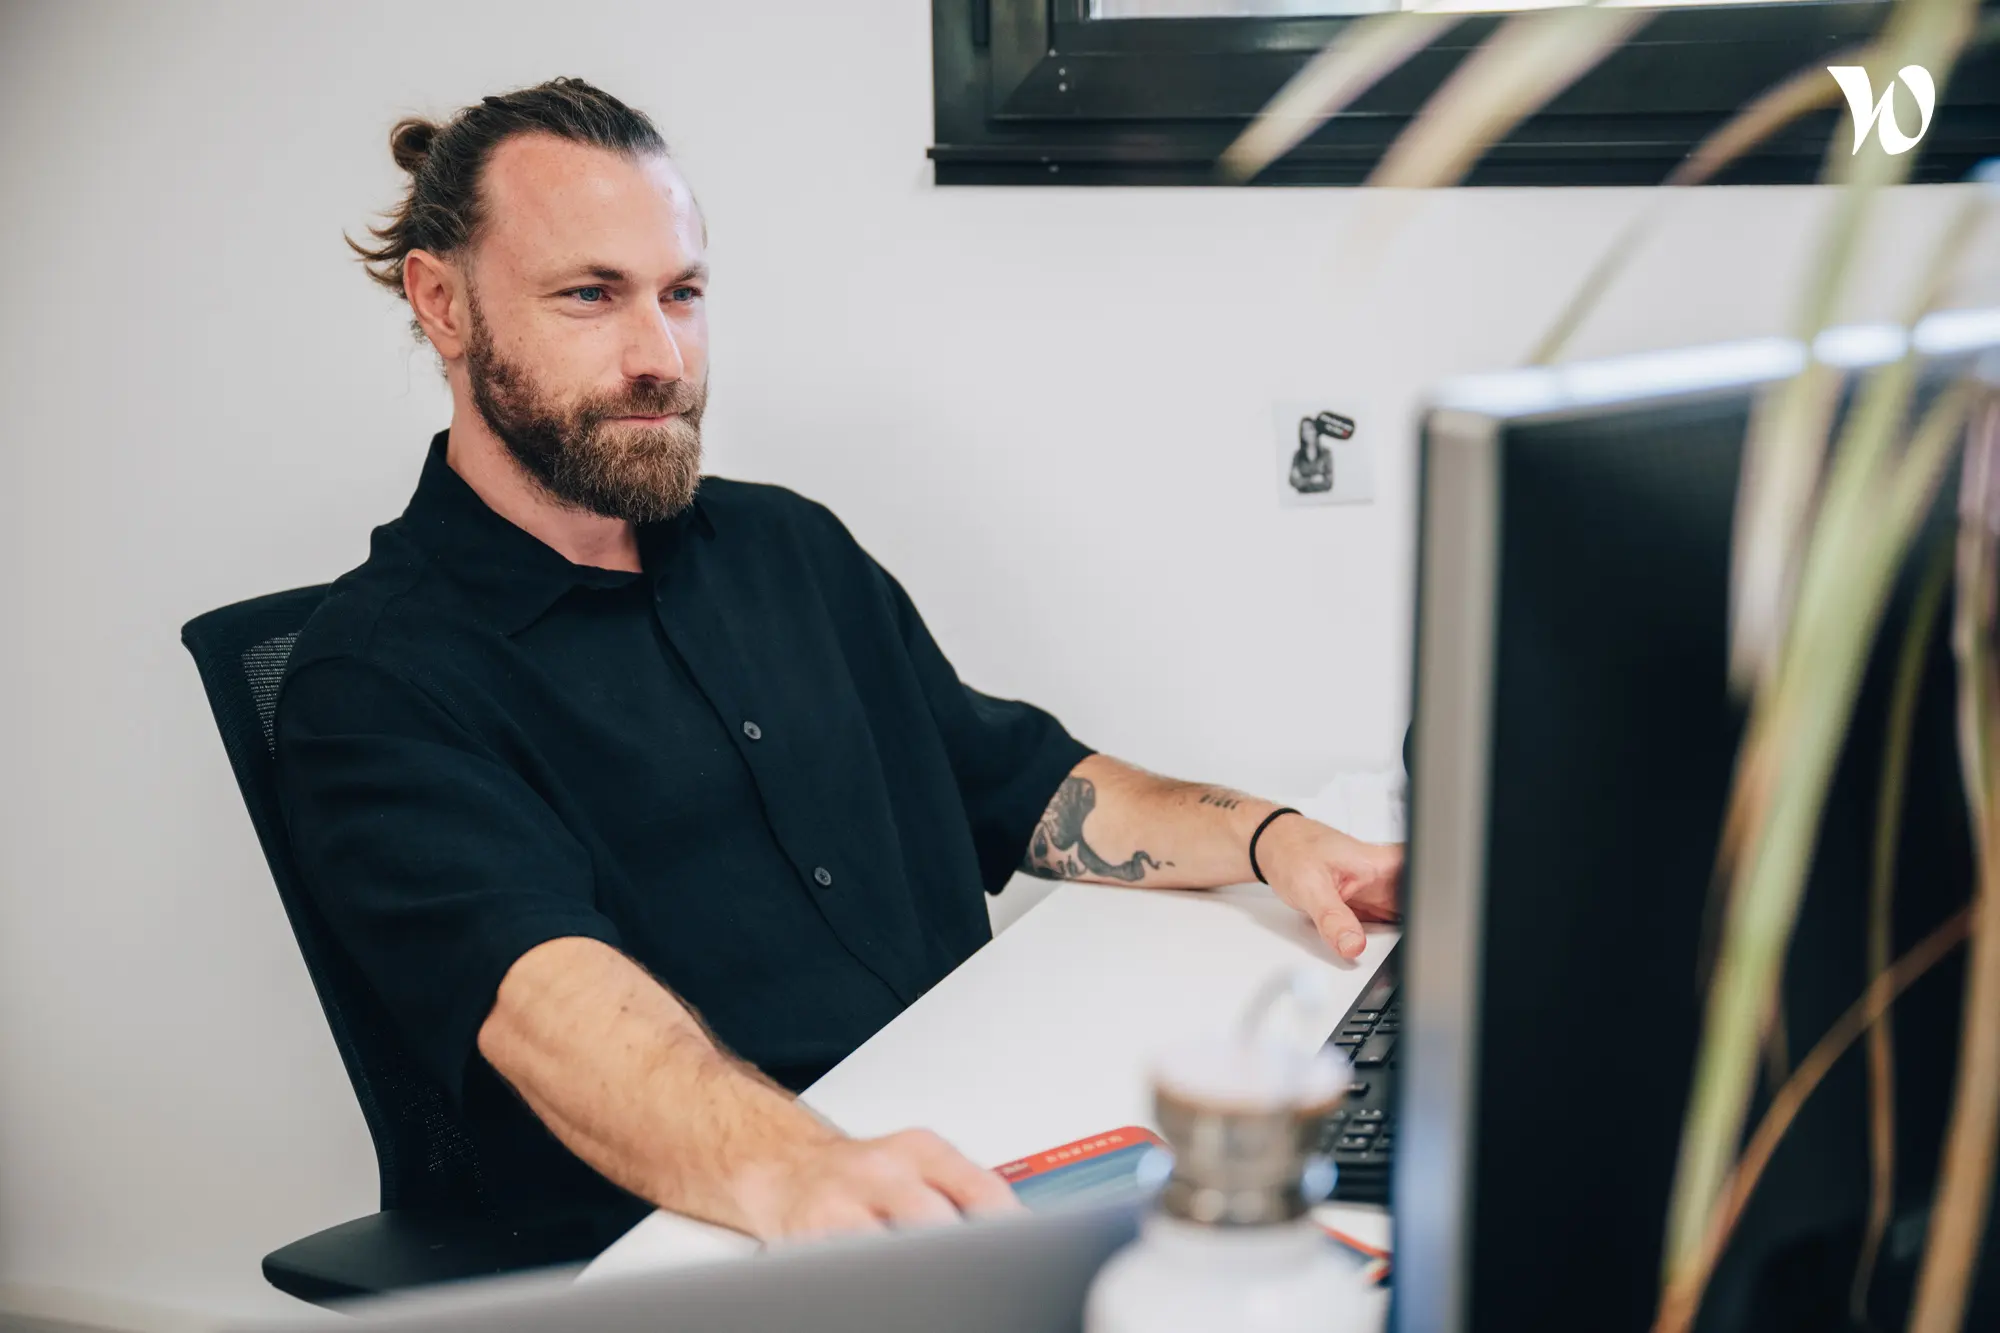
{"x": 512, "y": 576}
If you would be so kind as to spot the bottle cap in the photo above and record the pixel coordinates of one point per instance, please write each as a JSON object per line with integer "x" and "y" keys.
{"x": 1245, "y": 1121}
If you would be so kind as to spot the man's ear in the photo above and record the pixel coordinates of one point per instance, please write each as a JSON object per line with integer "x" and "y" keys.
{"x": 435, "y": 290}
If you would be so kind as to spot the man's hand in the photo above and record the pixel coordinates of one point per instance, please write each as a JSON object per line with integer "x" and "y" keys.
{"x": 836, "y": 1184}
{"x": 1337, "y": 881}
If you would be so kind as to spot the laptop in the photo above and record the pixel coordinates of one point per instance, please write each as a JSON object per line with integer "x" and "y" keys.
{"x": 1026, "y": 1274}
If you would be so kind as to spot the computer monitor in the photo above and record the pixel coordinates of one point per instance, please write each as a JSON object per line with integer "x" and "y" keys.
{"x": 1573, "y": 749}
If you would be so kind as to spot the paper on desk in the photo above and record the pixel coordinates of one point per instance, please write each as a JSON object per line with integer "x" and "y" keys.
{"x": 1045, "y": 1035}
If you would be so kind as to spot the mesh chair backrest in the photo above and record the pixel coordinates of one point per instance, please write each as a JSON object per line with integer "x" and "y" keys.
{"x": 423, "y": 1153}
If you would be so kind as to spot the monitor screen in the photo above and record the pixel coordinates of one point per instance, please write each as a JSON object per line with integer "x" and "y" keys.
{"x": 1575, "y": 739}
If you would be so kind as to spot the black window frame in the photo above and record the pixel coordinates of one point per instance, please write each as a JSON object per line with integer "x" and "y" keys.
{"x": 1034, "y": 92}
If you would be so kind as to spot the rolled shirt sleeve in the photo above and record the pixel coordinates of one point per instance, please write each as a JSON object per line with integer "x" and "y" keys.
{"x": 436, "y": 865}
{"x": 1008, "y": 757}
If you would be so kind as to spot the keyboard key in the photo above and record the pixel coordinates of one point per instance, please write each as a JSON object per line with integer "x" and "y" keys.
{"x": 1370, "y": 1113}
{"x": 1381, "y": 990}
{"x": 1352, "y": 1143}
{"x": 1357, "y": 1089}
{"x": 1375, "y": 1051}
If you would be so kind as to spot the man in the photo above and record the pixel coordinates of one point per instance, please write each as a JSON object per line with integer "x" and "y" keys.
{"x": 591, "y": 746}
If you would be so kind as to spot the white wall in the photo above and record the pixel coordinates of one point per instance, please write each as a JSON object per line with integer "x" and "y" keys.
{"x": 1047, "y": 410}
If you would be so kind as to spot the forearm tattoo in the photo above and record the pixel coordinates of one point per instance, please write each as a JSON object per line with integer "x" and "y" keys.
{"x": 1061, "y": 851}
{"x": 1058, "y": 850}
{"x": 1226, "y": 800}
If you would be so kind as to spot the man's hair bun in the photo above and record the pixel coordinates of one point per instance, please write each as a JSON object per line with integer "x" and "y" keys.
{"x": 410, "y": 143}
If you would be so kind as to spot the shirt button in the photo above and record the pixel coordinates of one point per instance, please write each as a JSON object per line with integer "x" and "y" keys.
{"x": 823, "y": 876}
{"x": 753, "y": 731}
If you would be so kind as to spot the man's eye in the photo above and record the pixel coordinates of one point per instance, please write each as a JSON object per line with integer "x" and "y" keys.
{"x": 589, "y": 295}
{"x": 685, "y": 293}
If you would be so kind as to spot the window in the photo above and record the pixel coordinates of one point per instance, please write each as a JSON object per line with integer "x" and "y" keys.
{"x": 1151, "y": 91}
{"x": 1217, "y": 9}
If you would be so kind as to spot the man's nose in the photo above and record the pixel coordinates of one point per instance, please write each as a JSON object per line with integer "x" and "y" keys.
{"x": 652, "y": 351}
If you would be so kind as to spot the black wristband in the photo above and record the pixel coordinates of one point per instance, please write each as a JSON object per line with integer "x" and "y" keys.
{"x": 1254, "y": 868}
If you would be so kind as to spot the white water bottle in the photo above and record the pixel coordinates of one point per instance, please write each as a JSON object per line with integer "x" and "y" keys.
{"x": 1231, "y": 1244}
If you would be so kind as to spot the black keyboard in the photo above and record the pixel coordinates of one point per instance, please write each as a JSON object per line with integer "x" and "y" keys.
{"x": 1361, "y": 1135}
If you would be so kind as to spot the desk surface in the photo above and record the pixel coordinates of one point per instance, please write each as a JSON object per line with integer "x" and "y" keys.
{"x": 1044, "y": 1035}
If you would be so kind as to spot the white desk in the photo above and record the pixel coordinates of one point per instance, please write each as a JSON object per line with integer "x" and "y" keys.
{"x": 1043, "y": 1036}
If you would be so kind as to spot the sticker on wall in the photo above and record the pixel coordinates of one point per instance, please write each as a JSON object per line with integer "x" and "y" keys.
{"x": 1324, "y": 453}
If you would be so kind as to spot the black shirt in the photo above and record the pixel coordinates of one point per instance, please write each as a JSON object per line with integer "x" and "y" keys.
{"x": 749, "y": 767}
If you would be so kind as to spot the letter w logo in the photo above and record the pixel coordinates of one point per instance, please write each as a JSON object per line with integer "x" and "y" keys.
{"x": 1853, "y": 81}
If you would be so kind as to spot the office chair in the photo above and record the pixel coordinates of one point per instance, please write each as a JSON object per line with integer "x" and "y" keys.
{"x": 435, "y": 1224}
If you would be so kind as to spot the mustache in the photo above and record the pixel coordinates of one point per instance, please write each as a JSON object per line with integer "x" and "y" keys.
{"x": 654, "y": 398}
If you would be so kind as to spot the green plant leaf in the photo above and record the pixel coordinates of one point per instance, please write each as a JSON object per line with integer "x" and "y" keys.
{"x": 1677, "y": 1309}
{"x": 1353, "y": 62}
{"x": 1903, "y": 696}
{"x": 1799, "y": 722}
{"x": 1872, "y": 502}
{"x": 1965, "y": 1172}
{"x": 1514, "y": 73}
{"x": 1785, "y": 451}
{"x": 1782, "y": 457}
{"x": 1804, "y": 92}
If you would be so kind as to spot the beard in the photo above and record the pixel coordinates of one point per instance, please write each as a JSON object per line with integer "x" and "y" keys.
{"x": 576, "y": 452}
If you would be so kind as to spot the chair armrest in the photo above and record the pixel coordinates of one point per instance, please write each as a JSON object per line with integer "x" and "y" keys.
{"x": 415, "y": 1247}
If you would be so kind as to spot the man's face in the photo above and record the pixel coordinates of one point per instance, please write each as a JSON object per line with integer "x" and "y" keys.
{"x": 587, "y": 352}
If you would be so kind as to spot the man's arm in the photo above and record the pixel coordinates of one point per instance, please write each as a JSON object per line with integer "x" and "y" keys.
{"x": 471, "y": 909}
{"x": 631, "y": 1082}
{"x": 1111, "y": 823}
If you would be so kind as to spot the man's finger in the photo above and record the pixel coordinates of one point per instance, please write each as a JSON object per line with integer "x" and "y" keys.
{"x": 833, "y": 1217}
{"x": 918, "y": 1205}
{"x": 1339, "y": 927}
{"x": 1373, "y": 868}
{"x": 972, "y": 1188}
{"x": 1371, "y": 902}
